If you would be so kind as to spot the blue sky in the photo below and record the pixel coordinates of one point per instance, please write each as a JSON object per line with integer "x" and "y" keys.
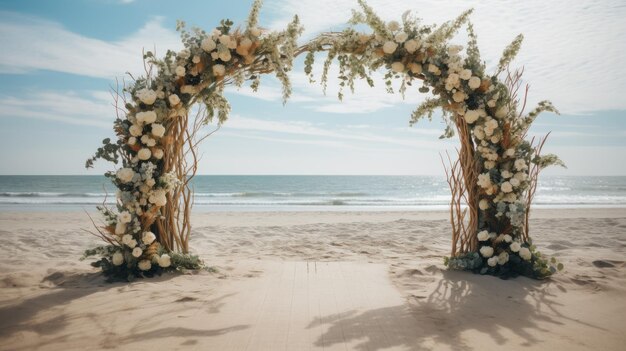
{"x": 61, "y": 57}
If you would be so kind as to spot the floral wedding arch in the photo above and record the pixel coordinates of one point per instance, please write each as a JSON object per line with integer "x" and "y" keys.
{"x": 492, "y": 181}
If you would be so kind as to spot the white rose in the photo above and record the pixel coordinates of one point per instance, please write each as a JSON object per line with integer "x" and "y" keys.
{"x": 135, "y": 130}
{"x": 144, "y": 265}
{"x": 146, "y": 117}
{"x": 225, "y": 55}
{"x": 126, "y": 239}
{"x": 466, "y": 74}
{"x": 393, "y": 26}
{"x": 255, "y": 31}
{"x": 150, "y": 182}
{"x": 502, "y": 112}
{"x": 117, "y": 258}
{"x": 174, "y": 100}
{"x": 148, "y": 237}
{"x": 132, "y": 243}
{"x": 397, "y": 67}
{"x": 486, "y": 251}
{"x": 224, "y": 39}
{"x": 484, "y": 180}
{"x": 144, "y": 154}
{"x": 489, "y": 164}
{"x": 158, "y": 154}
{"x": 474, "y": 82}
{"x": 401, "y": 37}
{"x": 483, "y": 204}
{"x": 147, "y": 96}
{"x": 180, "y": 71}
{"x": 124, "y": 217}
{"x": 415, "y": 68}
{"x": 515, "y": 246}
{"x": 506, "y": 174}
{"x": 132, "y": 140}
{"x": 411, "y": 46}
{"x": 492, "y": 262}
{"x": 459, "y": 96}
{"x": 219, "y": 70}
{"x": 471, "y": 116}
{"x": 483, "y": 235}
{"x": 245, "y": 43}
{"x": 479, "y": 132}
{"x": 514, "y": 182}
{"x": 158, "y": 130}
{"x": 196, "y": 59}
{"x": 507, "y": 238}
{"x": 503, "y": 258}
{"x": 184, "y": 53}
{"x": 521, "y": 176}
{"x": 525, "y": 253}
{"x": 510, "y": 152}
{"x": 390, "y": 47}
{"x": 506, "y": 187}
{"x": 454, "y": 49}
{"x": 120, "y": 228}
{"x": 137, "y": 252}
{"x": 208, "y": 45}
{"x": 125, "y": 175}
{"x": 520, "y": 164}
{"x": 165, "y": 261}
{"x": 146, "y": 140}
{"x": 158, "y": 198}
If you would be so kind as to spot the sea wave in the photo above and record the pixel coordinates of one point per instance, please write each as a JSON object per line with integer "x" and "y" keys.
{"x": 47, "y": 194}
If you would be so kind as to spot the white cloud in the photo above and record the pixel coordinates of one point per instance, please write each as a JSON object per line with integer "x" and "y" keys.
{"x": 573, "y": 50}
{"x": 30, "y": 43}
{"x": 91, "y": 109}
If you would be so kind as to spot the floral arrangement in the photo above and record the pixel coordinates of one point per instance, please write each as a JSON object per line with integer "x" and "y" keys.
{"x": 495, "y": 176}
{"x": 148, "y": 230}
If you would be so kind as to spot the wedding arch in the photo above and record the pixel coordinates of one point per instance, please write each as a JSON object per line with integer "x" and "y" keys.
{"x": 492, "y": 180}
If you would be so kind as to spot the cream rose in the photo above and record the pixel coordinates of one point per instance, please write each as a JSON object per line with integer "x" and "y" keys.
{"x": 146, "y": 117}
{"x": 147, "y": 96}
{"x": 135, "y": 130}
{"x": 393, "y": 26}
{"x": 397, "y": 67}
{"x": 401, "y": 37}
{"x": 158, "y": 154}
{"x": 208, "y": 45}
{"x": 144, "y": 154}
{"x": 486, "y": 251}
{"x": 411, "y": 46}
{"x": 165, "y": 261}
{"x": 174, "y": 100}
{"x": 483, "y": 204}
{"x": 144, "y": 265}
{"x": 219, "y": 70}
{"x": 492, "y": 262}
{"x": 180, "y": 71}
{"x": 117, "y": 258}
{"x": 390, "y": 47}
{"x": 125, "y": 175}
{"x": 148, "y": 238}
{"x": 137, "y": 252}
{"x": 483, "y": 235}
{"x": 120, "y": 228}
{"x": 471, "y": 116}
{"x": 466, "y": 74}
{"x": 158, "y": 130}
{"x": 525, "y": 253}
{"x": 124, "y": 217}
{"x": 515, "y": 246}
{"x": 506, "y": 187}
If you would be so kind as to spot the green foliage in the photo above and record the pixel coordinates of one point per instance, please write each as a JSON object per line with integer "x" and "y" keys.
{"x": 509, "y": 53}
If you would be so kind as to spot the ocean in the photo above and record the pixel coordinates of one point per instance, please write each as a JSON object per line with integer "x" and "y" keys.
{"x": 283, "y": 193}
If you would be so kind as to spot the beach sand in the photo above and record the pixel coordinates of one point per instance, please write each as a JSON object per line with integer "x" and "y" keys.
{"x": 315, "y": 280}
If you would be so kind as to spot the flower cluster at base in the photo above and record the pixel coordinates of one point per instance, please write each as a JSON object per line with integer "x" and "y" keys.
{"x": 118, "y": 264}
{"x": 155, "y": 140}
{"x": 479, "y": 106}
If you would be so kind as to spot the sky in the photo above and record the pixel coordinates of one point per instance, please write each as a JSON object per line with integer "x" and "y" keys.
{"x": 61, "y": 58}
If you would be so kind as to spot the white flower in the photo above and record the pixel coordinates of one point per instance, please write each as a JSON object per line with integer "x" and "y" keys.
{"x": 245, "y": 43}
{"x": 506, "y": 187}
{"x": 411, "y": 46}
{"x": 520, "y": 164}
{"x": 144, "y": 154}
{"x": 520, "y": 176}
{"x": 225, "y": 55}
{"x": 474, "y": 82}
{"x": 174, "y": 100}
{"x": 471, "y": 116}
{"x": 515, "y": 182}
{"x": 479, "y": 132}
{"x": 491, "y": 124}
{"x": 486, "y": 251}
{"x": 144, "y": 265}
{"x": 506, "y": 174}
{"x": 132, "y": 243}
{"x": 196, "y": 59}
{"x": 510, "y": 152}
{"x": 146, "y": 140}
{"x": 165, "y": 261}
{"x": 158, "y": 154}
{"x": 120, "y": 228}
{"x": 147, "y": 96}
{"x": 158, "y": 198}
{"x": 137, "y": 251}
{"x": 525, "y": 253}
{"x": 459, "y": 96}
{"x": 117, "y": 258}
{"x": 415, "y": 68}
{"x": 148, "y": 237}
{"x": 208, "y": 45}
{"x": 489, "y": 164}
{"x": 491, "y": 103}
{"x": 484, "y": 180}
{"x": 158, "y": 130}
{"x": 483, "y": 204}
{"x": 255, "y": 31}
{"x": 401, "y": 37}
{"x": 124, "y": 217}
{"x": 132, "y": 140}
{"x": 146, "y": 117}
{"x": 503, "y": 258}
{"x": 466, "y": 74}
{"x": 224, "y": 39}
{"x": 184, "y": 53}
{"x": 150, "y": 182}
{"x": 219, "y": 70}
{"x": 507, "y": 238}
{"x": 180, "y": 71}
{"x": 492, "y": 262}
{"x": 397, "y": 67}
{"x": 515, "y": 246}
{"x": 390, "y": 47}
{"x": 135, "y": 130}
{"x": 454, "y": 49}
{"x": 483, "y": 236}
{"x": 126, "y": 239}
{"x": 502, "y": 112}
{"x": 393, "y": 26}
{"x": 125, "y": 175}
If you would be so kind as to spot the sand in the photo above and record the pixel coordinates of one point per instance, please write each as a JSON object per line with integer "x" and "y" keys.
{"x": 315, "y": 280}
